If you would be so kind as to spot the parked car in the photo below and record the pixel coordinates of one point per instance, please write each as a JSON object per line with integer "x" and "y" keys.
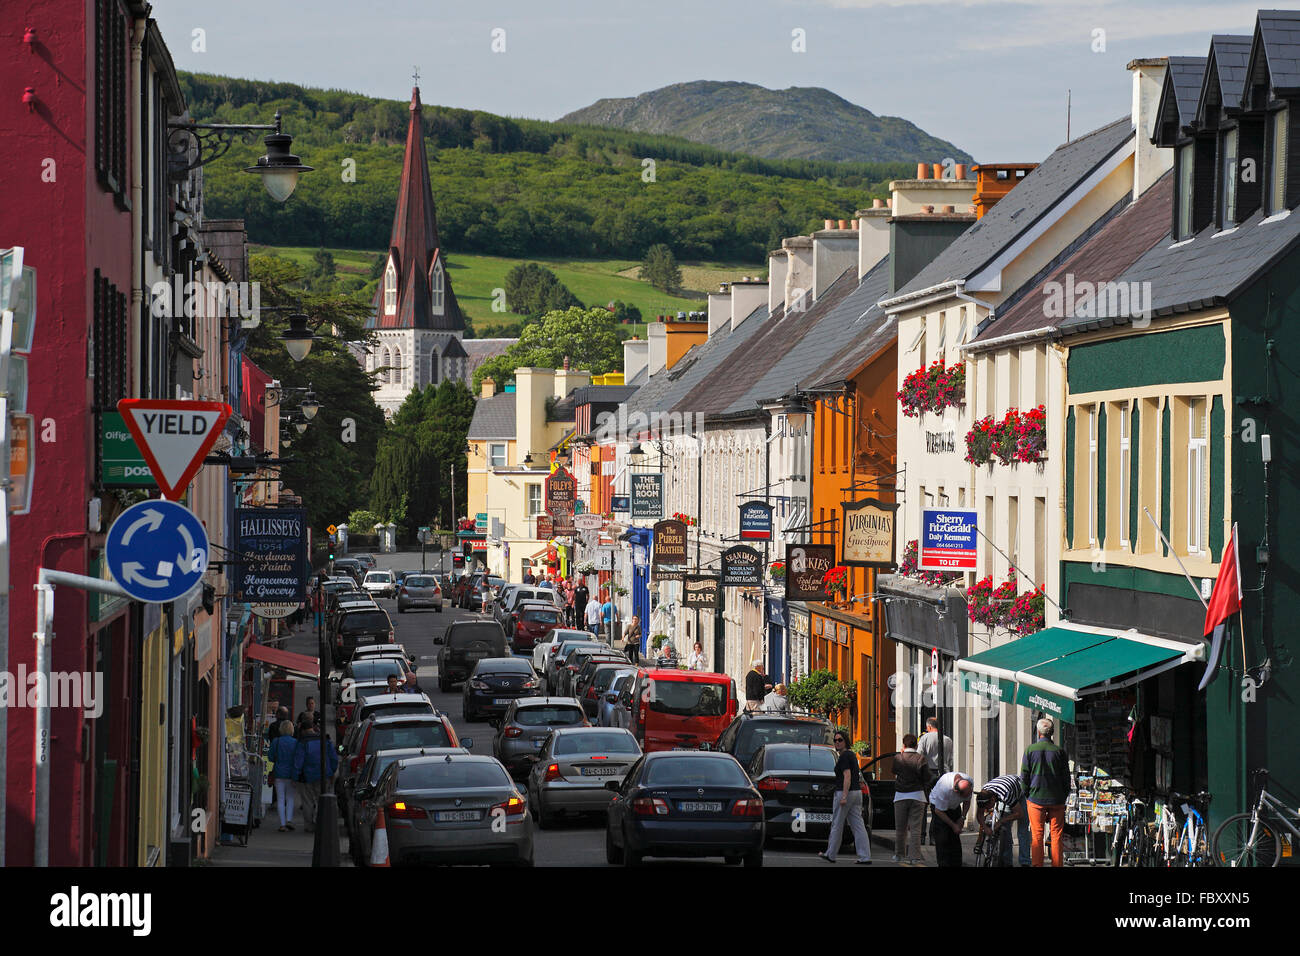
{"x": 362, "y": 791}
{"x": 346, "y": 699}
{"x": 407, "y": 572}
{"x": 351, "y": 567}
{"x": 362, "y": 651}
{"x": 543, "y": 649}
{"x": 749, "y": 731}
{"x": 389, "y": 731}
{"x": 799, "y": 789}
{"x": 376, "y": 668}
{"x": 363, "y": 699}
{"x": 525, "y": 726}
{"x": 592, "y": 689}
{"x": 419, "y": 590}
{"x": 494, "y": 684}
{"x": 675, "y": 709}
{"x": 560, "y": 652}
{"x": 482, "y": 592}
{"x": 360, "y": 625}
{"x": 616, "y": 702}
{"x": 367, "y": 561}
{"x": 532, "y": 622}
{"x": 354, "y": 595}
{"x": 519, "y": 593}
{"x": 573, "y": 767}
{"x": 463, "y": 645}
{"x": 566, "y": 675}
{"x": 446, "y": 809}
{"x": 380, "y": 583}
{"x": 879, "y": 775}
{"x": 685, "y": 804}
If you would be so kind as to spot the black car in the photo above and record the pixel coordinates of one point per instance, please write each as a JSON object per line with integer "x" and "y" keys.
{"x": 685, "y": 803}
{"x": 799, "y": 789}
{"x": 879, "y": 775}
{"x": 750, "y": 731}
{"x": 351, "y": 567}
{"x": 495, "y": 684}
{"x": 464, "y": 644}
{"x": 362, "y": 625}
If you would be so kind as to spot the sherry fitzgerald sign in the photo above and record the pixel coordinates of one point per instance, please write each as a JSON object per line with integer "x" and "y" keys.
{"x": 868, "y": 540}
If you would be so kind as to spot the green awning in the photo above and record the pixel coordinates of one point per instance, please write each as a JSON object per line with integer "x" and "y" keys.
{"x": 1055, "y": 668}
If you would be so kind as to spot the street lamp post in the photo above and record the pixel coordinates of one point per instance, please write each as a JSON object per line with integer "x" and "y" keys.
{"x": 325, "y": 846}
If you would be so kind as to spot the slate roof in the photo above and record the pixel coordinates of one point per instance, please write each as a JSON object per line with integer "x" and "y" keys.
{"x": 1205, "y": 271}
{"x": 1103, "y": 258}
{"x": 1035, "y": 196}
{"x": 227, "y": 240}
{"x": 1279, "y": 34}
{"x": 1230, "y": 55}
{"x": 602, "y": 394}
{"x": 867, "y": 331}
{"x": 1187, "y": 74}
{"x": 493, "y": 417}
{"x": 453, "y": 349}
{"x": 480, "y": 350}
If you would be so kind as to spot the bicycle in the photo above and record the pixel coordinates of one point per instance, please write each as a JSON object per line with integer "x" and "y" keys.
{"x": 1132, "y": 845}
{"x": 1253, "y": 838}
{"x": 988, "y": 843}
{"x": 1191, "y": 847}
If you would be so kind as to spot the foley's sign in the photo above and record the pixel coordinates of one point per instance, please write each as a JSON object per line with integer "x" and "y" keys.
{"x": 948, "y": 539}
{"x": 669, "y": 543}
{"x": 868, "y": 539}
{"x": 805, "y": 566}
{"x": 648, "y": 495}
{"x": 561, "y": 493}
{"x": 272, "y": 548}
{"x": 742, "y": 567}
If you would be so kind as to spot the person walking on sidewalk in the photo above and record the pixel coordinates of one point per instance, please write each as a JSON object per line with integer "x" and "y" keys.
{"x": 756, "y": 687}
{"x": 1045, "y": 774}
{"x": 848, "y": 804}
{"x": 632, "y": 637}
{"x": 306, "y": 765}
{"x": 696, "y": 661}
{"x": 578, "y": 605}
{"x": 283, "y": 749}
{"x": 912, "y": 780}
{"x": 311, "y": 715}
{"x": 608, "y": 615}
{"x": 950, "y": 799}
{"x": 592, "y": 615}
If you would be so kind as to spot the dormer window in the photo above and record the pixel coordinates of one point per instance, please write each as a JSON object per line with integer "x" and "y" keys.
{"x": 1186, "y": 192}
{"x": 1277, "y": 147}
{"x": 390, "y": 288}
{"x": 1228, "y": 187}
{"x": 436, "y": 289}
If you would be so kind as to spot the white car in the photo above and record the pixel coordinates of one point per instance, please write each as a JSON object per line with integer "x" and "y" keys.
{"x": 381, "y": 583}
{"x": 542, "y": 651}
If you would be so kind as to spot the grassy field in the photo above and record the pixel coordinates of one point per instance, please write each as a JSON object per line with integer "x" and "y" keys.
{"x": 595, "y": 281}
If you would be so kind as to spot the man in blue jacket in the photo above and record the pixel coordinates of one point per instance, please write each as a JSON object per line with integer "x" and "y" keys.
{"x": 306, "y": 767}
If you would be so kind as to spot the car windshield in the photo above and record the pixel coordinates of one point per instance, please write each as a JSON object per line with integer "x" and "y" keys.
{"x": 810, "y": 759}
{"x": 542, "y": 617}
{"x": 687, "y": 698}
{"x": 374, "y": 668}
{"x": 379, "y": 576}
{"x": 419, "y": 581}
{"x": 764, "y": 733}
{"x": 549, "y": 716}
{"x": 595, "y": 744}
{"x": 603, "y": 678}
{"x": 364, "y": 621}
{"x": 694, "y": 772}
{"x": 442, "y": 774}
{"x": 395, "y": 737}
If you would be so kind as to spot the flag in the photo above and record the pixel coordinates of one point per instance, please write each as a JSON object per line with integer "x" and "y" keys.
{"x": 1225, "y": 601}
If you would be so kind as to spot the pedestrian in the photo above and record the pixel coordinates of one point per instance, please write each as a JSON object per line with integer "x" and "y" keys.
{"x": 1007, "y": 795}
{"x": 311, "y": 715}
{"x": 608, "y": 615}
{"x": 283, "y": 749}
{"x": 696, "y": 661}
{"x": 848, "y": 804}
{"x": 592, "y": 614}
{"x": 306, "y": 765}
{"x": 950, "y": 799}
{"x": 776, "y": 702}
{"x": 912, "y": 779}
{"x": 1045, "y": 776}
{"x": 568, "y": 603}
{"x": 318, "y": 605}
{"x": 668, "y": 652}
{"x": 280, "y": 719}
{"x": 928, "y": 746}
{"x": 580, "y": 598}
{"x": 756, "y": 687}
{"x": 632, "y": 636}
{"x": 546, "y": 583}
{"x": 528, "y": 577}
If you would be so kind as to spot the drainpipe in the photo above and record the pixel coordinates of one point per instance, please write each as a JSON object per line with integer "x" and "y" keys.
{"x": 137, "y": 195}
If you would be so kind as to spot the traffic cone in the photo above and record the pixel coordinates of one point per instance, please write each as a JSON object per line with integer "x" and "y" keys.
{"x": 379, "y": 842}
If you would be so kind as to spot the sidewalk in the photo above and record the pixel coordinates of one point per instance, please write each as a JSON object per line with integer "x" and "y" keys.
{"x": 267, "y": 846}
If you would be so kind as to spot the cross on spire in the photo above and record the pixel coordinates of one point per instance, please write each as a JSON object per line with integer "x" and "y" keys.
{"x": 415, "y": 74}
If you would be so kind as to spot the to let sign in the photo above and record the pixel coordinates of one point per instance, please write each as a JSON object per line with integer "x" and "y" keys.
{"x": 756, "y": 521}
{"x": 669, "y": 542}
{"x": 868, "y": 539}
{"x": 742, "y": 567}
{"x": 806, "y": 565}
{"x": 648, "y": 495}
{"x": 948, "y": 539}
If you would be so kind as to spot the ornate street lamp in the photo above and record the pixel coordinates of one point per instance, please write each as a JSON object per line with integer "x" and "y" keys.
{"x": 298, "y": 337}
{"x": 279, "y": 168}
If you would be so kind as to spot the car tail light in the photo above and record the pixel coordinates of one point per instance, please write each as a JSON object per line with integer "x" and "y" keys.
{"x": 403, "y": 591}
{"x": 400, "y": 811}
{"x": 747, "y": 808}
{"x": 592, "y": 694}
{"x": 866, "y": 791}
{"x": 650, "y": 807}
{"x": 520, "y": 628}
{"x": 354, "y": 764}
{"x": 512, "y": 732}
{"x": 552, "y": 773}
{"x": 530, "y": 684}
{"x": 773, "y": 783}
{"x": 597, "y": 757}
{"x": 514, "y": 807}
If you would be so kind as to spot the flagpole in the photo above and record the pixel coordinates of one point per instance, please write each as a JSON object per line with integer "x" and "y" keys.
{"x": 1241, "y": 597}
{"x": 1195, "y": 590}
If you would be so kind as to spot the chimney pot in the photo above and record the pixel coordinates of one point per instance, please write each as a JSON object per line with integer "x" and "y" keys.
{"x": 938, "y": 170}
{"x": 948, "y": 209}
{"x": 877, "y": 204}
{"x": 960, "y": 171}
{"x": 922, "y": 170}
{"x": 927, "y": 209}
{"x": 844, "y": 224}
{"x": 830, "y": 223}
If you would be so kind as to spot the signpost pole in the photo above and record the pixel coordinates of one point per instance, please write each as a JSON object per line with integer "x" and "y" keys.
{"x": 325, "y": 848}
{"x": 6, "y": 343}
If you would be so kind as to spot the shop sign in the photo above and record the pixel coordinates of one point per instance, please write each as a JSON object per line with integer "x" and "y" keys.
{"x": 806, "y": 564}
{"x": 604, "y": 559}
{"x": 940, "y": 442}
{"x": 986, "y": 685}
{"x": 276, "y": 540}
{"x": 274, "y": 612}
{"x": 121, "y": 465}
{"x": 667, "y": 572}
{"x": 620, "y": 503}
{"x": 648, "y": 495}
{"x": 701, "y": 591}
{"x": 22, "y": 463}
{"x": 669, "y": 542}
{"x": 868, "y": 539}
{"x": 948, "y": 539}
{"x": 742, "y": 567}
{"x": 756, "y": 521}
{"x": 545, "y": 529}
{"x": 588, "y": 522}
{"x": 561, "y": 493}
{"x": 1054, "y": 704}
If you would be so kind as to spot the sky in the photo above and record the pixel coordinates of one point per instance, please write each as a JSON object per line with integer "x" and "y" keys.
{"x": 990, "y": 76}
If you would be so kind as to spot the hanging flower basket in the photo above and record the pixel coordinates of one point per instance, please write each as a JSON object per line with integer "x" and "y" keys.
{"x": 909, "y": 569}
{"x": 933, "y": 389}
{"x": 979, "y": 601}
{"x": 1027, "y": 612}
{"x": 685, "y": 518}
{"x": 1004, "y": 437}
{"x": 836, "y": 581}
{"x": 776, "y": 570}
{"x": 979, "y": 441}
{"x": 1031, "y": 436}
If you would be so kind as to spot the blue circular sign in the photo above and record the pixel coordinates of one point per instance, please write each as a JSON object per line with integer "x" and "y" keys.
{"x": 157, "y": 551}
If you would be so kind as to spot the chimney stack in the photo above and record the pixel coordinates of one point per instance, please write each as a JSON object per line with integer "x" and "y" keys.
{"x": 778, "y": 266}
{"x": 834, "y": 252}
{"x": 873, "y": 236}
{"x": 489, "y": 387}
{"x": 746, "y": 296}
{"x": 1150, "y": 162}
{"x": 719, "y": 308}
{"x": 636, "y": 353}
{"x": 799, "y": 275}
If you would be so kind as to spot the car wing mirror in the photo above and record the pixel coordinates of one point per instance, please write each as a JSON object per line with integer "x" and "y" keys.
{"x": 467, "y": 742}
{"x": 613, "y": 785}
{"x": 437, "y": 639}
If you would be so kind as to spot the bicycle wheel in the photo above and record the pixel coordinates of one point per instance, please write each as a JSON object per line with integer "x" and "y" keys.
{"x": 1120, "y": 846}
{"x": 1234, "y": 846}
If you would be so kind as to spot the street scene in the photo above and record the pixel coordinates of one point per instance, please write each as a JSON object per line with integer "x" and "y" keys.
{"x": 513, "y": 446}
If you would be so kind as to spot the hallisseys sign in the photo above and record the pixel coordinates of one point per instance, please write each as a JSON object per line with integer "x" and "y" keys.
{"x": 742, "y": 567}
{"x": 868, "y": 539}
{"x": 272, "y": 547}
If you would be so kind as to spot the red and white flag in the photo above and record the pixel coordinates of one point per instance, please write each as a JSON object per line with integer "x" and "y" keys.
{"x": 1225, "y": 601}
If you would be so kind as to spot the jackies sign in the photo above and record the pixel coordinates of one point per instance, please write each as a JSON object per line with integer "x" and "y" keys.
{"x": 272, "y": 548}
{"x": 806, "y": 565}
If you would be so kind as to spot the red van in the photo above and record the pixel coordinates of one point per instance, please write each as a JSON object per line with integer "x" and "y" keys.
{"x": 680, "y": 710}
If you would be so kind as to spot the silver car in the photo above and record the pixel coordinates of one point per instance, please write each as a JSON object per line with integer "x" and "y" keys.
{"x": 573, "y": 768}
{"x": 526, "y": 725}
{"x": 543, "y": 650}
{"x": 419, "y": 590}
{"x": 609, "y": 703}
{"x": 449, "y": 808}
{"x": 551, "y": 672}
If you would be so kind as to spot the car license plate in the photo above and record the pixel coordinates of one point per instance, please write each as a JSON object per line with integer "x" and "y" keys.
{"x": 700, "y": 806}
{"x": 599, "y": 771}
{"x": 817, "y": 817}
{"x": 457, "y": 816}
{"x": 538, "y": 741}
{"x": 501, "y": 701}
{"x": 475, "y": 655}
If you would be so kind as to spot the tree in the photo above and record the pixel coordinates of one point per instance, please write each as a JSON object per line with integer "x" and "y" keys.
{"x": 586, "y": 337}
{"x": 625, "y": 313}
{"x": 659, "y": 268}
{"x": 532, "y": 289}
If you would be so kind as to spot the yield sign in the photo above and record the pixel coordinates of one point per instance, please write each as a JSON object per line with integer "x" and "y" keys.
{"x": 173, "y": 436}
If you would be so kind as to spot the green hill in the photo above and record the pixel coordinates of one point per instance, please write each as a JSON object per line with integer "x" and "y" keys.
{"x": 797, "y": 123}
{"x": 518, "y": 188}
